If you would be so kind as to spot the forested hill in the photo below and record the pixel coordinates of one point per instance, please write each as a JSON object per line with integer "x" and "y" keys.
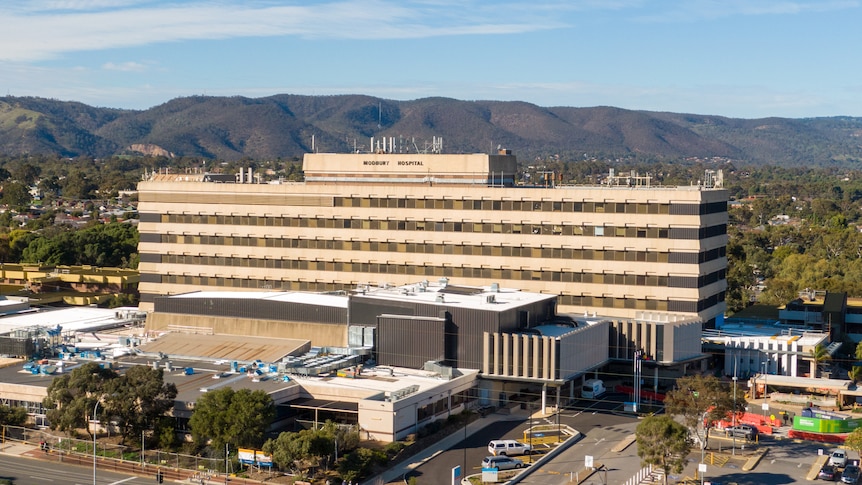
{"x": 283, "y": 126}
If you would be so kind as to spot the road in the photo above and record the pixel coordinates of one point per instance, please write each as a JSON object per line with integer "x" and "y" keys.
{"x": 26, "y": 471}
{"x": 604, "y": 425}
{"x": 600, "y": 422}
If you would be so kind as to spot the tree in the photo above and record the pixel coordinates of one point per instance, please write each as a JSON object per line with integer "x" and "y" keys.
{"x": 854, "y": 440}
{"x": 664, "y": 443}
{"x": 237, "y": 417}
{"x": 72, "y": 397}
{"x": 855, "y": 374}
{"x": 138, "y": 398}
{"x": 701, "y": 401}
{"x": 16, "y": 195}
{"x": 307, "y": 449}
{"x": 819, "y": 354}
{"x": 12, "y": 416}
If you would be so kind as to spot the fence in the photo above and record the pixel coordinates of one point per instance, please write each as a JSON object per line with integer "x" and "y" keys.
{"x": 113, "y": 457}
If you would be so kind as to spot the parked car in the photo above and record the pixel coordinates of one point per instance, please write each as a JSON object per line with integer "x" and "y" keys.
{"x": 850, "y": 474}
{"x": 502, "y": 463}
{"x": 827, "y": 472}
{"x": 508, "y": 448}
{"x": 838, "y": 458}
{"x": 745, "y": 431}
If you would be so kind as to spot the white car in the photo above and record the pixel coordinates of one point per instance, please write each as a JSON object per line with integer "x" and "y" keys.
{"x": 838, "y": 458}
{"x": 508, "y": 448}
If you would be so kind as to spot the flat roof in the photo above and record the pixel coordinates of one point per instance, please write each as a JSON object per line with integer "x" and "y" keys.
{"x": 224, "y": 347}
{"x": 338, "y": 301}
{"x": 488, "y": 298}
{"x": 77, "y": 319}
{"x": 767, "y": 333}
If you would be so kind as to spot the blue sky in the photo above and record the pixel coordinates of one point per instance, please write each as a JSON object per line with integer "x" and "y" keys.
{"x": 736, "y": 58}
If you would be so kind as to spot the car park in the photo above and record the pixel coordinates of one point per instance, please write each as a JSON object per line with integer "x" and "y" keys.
{"x": 827, "y": 472}
{"x": 850, "y": 474}
{"x": 838, "y": 458}
{"x": 508, "y": 448}
{"x": 502, "y": 463}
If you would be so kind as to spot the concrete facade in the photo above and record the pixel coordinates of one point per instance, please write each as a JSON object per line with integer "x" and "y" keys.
{"x": 615, "y": 250}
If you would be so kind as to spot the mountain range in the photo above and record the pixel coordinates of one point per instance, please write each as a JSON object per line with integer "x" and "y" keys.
{"x": 286, "y": 126}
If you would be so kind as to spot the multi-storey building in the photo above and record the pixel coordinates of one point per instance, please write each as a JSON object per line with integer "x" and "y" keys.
{"x": 624, "y": 249}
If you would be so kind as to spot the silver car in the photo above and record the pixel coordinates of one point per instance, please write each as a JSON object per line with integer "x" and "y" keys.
{"x": 502, "y": 463}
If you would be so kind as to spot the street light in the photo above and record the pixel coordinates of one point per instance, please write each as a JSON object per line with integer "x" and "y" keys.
{"x": 734, "y": 405}
{"x": 765, "y": 405}
{"x": 95, "y": 429}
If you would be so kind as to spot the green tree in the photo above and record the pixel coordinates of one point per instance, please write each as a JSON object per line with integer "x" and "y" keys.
{"x": 16, "y": 195}
{"x": 72, "y": 397}
{"x": 664, "y": 443}
{"x": 854, "y": 440}
{"x": 306, "y": 449}
{"x": 819, "y": 354}
{"x": 12, "y": 416}
{"x": 240, "y": 418}
{"x": 701, "y": 401}
{"x": 138, "y": 398}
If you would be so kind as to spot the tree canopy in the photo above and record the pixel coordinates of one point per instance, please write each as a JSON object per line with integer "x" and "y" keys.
{"x": 138, "y": 398}
{"x": 701, "y": 401}
{"x": 72, "y": 397}
{"x": 664, "y": 443}
{"x": 240, "y": 418}
{"x": 132, "y": 400}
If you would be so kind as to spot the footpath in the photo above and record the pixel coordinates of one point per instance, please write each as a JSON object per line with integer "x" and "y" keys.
{"x": 396, "y": 473}
{"x": 32, "y": 451}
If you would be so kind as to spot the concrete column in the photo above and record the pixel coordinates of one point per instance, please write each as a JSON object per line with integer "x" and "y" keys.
{"x": 516, "y": 355}
{"x": 528, "y": 349}
{"x": 486, "y": 357}
{"x": 506, "y": 366}
{"x": 536, "y": 352}
{"x": 496, "y": 354}
{"x": 546, "y": 357}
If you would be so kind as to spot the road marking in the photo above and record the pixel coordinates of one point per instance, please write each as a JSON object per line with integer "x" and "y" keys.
{"x": 41, "y": 478}
{"x": 121, "y": 481}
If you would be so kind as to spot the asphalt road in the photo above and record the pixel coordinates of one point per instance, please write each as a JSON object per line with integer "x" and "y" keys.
{"x": 603, "y": 425}
{"x": 26, "y": 471}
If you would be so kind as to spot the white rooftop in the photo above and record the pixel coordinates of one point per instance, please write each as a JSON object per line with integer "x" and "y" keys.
{"x": 77, "y": 319}
{"x": 339, "y": 301}
{"x": 490, "y": 298}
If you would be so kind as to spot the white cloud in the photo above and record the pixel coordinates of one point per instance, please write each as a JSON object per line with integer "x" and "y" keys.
{"x": 44, "y": 30}
{"x": 129, "y": 66}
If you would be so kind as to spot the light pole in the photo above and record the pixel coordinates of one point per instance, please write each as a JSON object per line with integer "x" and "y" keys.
{"x": 95, "y": 429}
{"x": 765, "y": 405}
{"x": 734, "y": 406}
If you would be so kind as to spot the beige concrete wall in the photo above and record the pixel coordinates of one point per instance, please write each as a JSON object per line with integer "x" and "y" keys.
{"x": 315, "y": 201}
{"x": 320, "y": 334}
{"x": 23, "y": 392}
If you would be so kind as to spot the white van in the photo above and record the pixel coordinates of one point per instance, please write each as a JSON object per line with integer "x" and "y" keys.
{"x": 593, "y": 389}
{"x": 508, "y": 448}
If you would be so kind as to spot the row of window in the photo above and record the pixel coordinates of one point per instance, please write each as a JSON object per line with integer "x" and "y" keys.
{"x": 533, "y": 206}
{"x": 566, "y": 300}
{"x": 441, "y": 226}
{"x": 430, "y": 248}
{"x": 429, "y": 270}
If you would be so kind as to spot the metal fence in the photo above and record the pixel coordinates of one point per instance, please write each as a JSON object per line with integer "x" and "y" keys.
{"x": 118, "y": 457}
